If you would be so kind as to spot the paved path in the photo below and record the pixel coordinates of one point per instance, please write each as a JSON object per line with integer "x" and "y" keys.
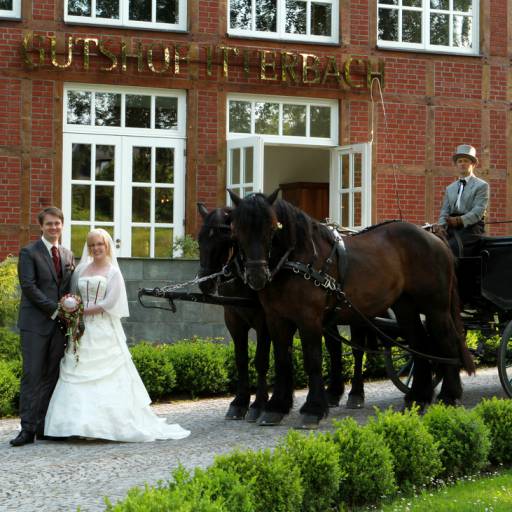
{"x": 58, "y": 476}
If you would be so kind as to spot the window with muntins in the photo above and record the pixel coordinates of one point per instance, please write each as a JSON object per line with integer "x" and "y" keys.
{"x": 450, "y": 26}
{"x": 312, "y": 21}
{"x": 10, "y": 9}
{"x": 150, "y": 14}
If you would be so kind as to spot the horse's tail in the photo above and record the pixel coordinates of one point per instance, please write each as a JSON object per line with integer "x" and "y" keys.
{"x": 467, "y": 359}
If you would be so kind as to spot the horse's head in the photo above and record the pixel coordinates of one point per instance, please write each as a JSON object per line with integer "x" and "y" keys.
{"x": 254, "y": 224}
{"x": 215, "y": 244}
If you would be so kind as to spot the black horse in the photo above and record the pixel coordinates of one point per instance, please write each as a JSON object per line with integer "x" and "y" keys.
{"x": 216, "y": 247}
{"x": 394, "y": 265}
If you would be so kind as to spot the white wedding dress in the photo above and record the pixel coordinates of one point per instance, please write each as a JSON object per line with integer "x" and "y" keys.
{"x": 102, "y": 395}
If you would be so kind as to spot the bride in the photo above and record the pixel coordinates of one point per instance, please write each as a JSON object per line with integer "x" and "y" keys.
{"x": 100, "y": 394}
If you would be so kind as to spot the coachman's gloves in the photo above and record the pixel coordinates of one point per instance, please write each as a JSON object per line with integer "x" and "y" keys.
{"x": 455, "y": 222}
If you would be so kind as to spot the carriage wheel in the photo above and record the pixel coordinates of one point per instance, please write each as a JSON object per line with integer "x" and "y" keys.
{"x": 399, "y": 368}
{"x": 505, "y": 359}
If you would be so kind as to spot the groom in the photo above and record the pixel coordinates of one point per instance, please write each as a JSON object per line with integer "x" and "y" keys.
{"x": 44, "y": 272}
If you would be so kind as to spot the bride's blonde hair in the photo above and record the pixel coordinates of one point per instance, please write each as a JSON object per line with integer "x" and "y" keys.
{"x": 106, "y": 239}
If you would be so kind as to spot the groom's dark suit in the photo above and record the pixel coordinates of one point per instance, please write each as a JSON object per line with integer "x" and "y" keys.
{"x": 42, "y": 341}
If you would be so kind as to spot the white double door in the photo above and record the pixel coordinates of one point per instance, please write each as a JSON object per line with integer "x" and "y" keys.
{"x": 131, "y": 186}
{"x": 349, "y": 177}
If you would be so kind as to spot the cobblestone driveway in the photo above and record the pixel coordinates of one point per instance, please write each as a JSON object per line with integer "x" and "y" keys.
{"x": 57, "y": 476}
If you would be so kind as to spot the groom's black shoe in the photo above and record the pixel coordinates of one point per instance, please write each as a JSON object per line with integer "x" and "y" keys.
{"x": 24, "y": 437}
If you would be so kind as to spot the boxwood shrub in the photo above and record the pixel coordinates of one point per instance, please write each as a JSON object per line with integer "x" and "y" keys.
{"x": 497, "y": 416}
{"x": 155, "y": 369}
{"x": 272, "y": 478}
{"x": 9, "y": 389}
{"x": 317, "y": 458}
{"x": 416, "y": 460}
{"x": 365, "y": 461}
{"x": 10, "y": 346}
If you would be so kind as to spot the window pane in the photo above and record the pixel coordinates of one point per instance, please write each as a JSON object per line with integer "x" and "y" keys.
{"x": 166, "y": 113}
{"x": 463, "y": 5}
{"x": 321, "y": 19}
{"x": 345, "y": 170}
{"x": 462, "y": 31}
{"x": 167, "y": 11}
{"x": 164, "y": 165}
{"x": 294, "y": 120}
{"x": 81, "y": 161}
{"x": 357, "y": 208}
{"x": 240, "y": 14}
{"x": 141, "y": 197}
{"x": 163, "y": 242}
{"x": 389, "y": 2}
{"x": 411, "y": 26}
{"x": 107, "y": 109}
{"x": 235, "y": 166}
{"x": 388, "y": 24}
{"x": 80, "y": 202}
{"x": 239, "y": 117}
{"x": 140, "y": 242}
{"x": 107, "y": 9}
{"x": 344, "y": 214}
{"x": 104, "y": 203}
{"x": 249, "y": 158}
{"x": 105, "y": 163}
{"x": 79, "y": 7}
{"x": 78, "y": 238}
{"x": 411, "y": 3}
{"x": 440, "y": 29}
{"x": 266, "y": 118}
{"x": 296, "y": 17}
{"x": 320, "y": 122}
{"x": 138, "y": 111}
{"x": 164, "y": 202}
{"x": 6, "y": 5}
{"x": 140, "y": 10}
{"x": 266, "y": 15}
{"x": 443, "y": 5}
{"x": 357, "y": 170}
{"x": 79, "y": 107}
{"x": 141, "y": 164}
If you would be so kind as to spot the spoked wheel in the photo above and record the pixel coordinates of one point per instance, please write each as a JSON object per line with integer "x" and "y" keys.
{"x": 505, "y": 359}
{"x": 399, "y": 368}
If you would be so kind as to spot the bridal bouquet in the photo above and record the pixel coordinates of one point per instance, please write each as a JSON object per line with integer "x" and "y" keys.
{"x": 71, "y": 310}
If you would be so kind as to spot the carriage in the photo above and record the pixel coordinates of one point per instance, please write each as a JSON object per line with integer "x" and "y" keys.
{"x": 485, "y": 289}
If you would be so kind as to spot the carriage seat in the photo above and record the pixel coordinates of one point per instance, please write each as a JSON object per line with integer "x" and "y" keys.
{"x": 494, "y": 241}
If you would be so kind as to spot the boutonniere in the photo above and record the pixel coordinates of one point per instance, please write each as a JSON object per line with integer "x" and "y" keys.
{"x": 70, "y": 267}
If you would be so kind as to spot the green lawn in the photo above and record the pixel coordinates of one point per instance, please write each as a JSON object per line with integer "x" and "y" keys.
{"x": 488, "y": 494}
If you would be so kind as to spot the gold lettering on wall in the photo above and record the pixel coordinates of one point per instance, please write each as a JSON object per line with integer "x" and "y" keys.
{"x": 312, "y": 68}
{"x": 225, "y": 57}
{"x": 125, "y": 54}
{"x": 267, "y": 64}
{"x": 108, "y": 54}
{"x": 289, "y": 65}
{"x": 87, "y": 41}
{"x": 53, "y": 52}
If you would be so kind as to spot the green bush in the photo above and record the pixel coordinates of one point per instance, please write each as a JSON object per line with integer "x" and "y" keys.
{"x": 273, "y": 480}
{"x": 416, "y": 460}
{"x": 155, "y": 369}
{"x": 9, "y": 389}
{"x": 497, "y": 416}
{"x": 317, "y": 458}
{"x": 232, "y": 372}
{"x": 487, "y": 347}
{"x": 10, "y": 346}
{"x": 187, "y": 245}
{"x": 200, "y": 367}
{"x": 366, "y": 463}
{"x": 9, "y": 292}
{"x": 462, "y": 436}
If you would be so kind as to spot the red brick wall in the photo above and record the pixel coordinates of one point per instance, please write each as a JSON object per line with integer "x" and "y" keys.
{"x": 10, "y": 187}
{"x": 10, "y": 112}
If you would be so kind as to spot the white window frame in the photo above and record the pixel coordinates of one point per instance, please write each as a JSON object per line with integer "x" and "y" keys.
{"x": 123, "y": 138}
{"x": 287, "y": 139}
{"x": 124, "y": 20}
{"x": 280, "y": 33}
{"x": 425, "y": 45}
{"x": 365, "y": 189}
{"x": 14, "y": 13}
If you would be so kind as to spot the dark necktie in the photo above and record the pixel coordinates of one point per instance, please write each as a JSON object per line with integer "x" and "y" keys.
{"x": 462, "y": 184}
{"x": 56, "y": 262}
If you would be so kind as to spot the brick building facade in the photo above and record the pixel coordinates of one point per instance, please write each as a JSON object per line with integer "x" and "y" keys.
{"x": 126, "y": 114}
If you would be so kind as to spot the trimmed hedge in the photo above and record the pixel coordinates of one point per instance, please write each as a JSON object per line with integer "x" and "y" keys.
{"x": 9, "y": 389}
{"x": 9, "y": 292}
{"x": 497, "y": 416}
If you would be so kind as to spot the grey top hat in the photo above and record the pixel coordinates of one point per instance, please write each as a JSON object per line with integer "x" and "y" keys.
{"x": 467, "y": 151}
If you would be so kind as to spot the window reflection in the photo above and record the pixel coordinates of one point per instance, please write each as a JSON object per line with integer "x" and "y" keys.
{"x": 79, "y": 107}
{"x": 138, "y": 111}
{"x": 107, "y": 109}
{"x": 79, "y": 7}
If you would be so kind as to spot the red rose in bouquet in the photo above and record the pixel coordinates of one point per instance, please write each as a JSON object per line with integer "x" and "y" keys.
{"x": 71, "y": 310}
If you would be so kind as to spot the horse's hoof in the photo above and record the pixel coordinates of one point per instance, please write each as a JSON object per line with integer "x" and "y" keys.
{"x": 421, "y": 407}
{"x": 309, "y": 422}
{"x": 333, "y": 401}
{"x": 270, "y": 419}
{"x": 236, "y": 412}
{"x": 355, "y": 402}
{"x": 253, "y": 414}
{"x": 454, "y": 402}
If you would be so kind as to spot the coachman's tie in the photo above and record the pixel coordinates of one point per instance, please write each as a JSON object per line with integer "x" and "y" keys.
{"x": 56, "y": 262}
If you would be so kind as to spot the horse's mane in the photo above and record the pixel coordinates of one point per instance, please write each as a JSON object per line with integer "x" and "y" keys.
{"x": 374, "y": 226}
